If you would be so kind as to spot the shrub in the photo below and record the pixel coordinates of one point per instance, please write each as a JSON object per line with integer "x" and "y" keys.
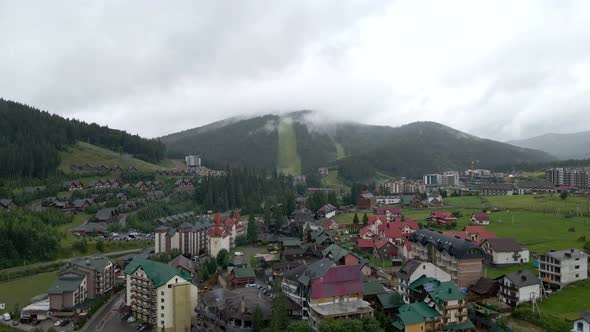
{"x": 548, "y": 322}
{"x": 582, "y": 238}
{"x": 571, "y": 229}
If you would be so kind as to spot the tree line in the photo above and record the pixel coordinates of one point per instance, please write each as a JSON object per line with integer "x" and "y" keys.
{"x": 246, "y": 189}
{"x": 27, "y": 237}
{"x": 30, "y": 141}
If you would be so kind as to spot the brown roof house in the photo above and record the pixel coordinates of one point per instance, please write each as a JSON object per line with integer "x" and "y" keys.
{"x": 504, "y": 251}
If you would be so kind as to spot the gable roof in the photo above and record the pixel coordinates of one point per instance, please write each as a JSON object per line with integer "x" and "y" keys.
{"x": 364, "y": 244}
{"x": 379, "y": 244}
{"x": 443, "y": 215}
{"x": 441, "y": 292}
{"x": 585, "y": 315}
{"x": 158, "y": 273}
{"x": 415, "y": 313}
{"x": 315, "y": 270}
{"x": 367, "y": 195}
{"x": 480, "y": 216}
{"x": 406, "y": 271}
{"x": 390, "y": 300}
{"x": 337, "y": 281}
{"x": 483, "y": 286}
{"x": 105, "y": 214}
{"x": 183, "y": 262}
{"x": 523, "y": 278}
{"x": 373, "y": 219}
{"x": 244, "y": 272}
{"x": 503, "y": 244}
{"x": 455, "y": 247}
{"x": 372, "y": 287}
{"x": 66, "y": 284}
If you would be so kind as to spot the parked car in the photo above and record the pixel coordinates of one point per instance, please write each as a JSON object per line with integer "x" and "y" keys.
{"x": 6, "y": 317}
{"x": 35, "y": 322}
{"x": 65, "y": 322}
{"x": 58, "y": 323}
{"x": 15, "y": 323}
{"x": 238, "y": 253}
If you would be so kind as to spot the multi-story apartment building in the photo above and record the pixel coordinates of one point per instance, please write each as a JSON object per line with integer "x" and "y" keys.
{"x": 462, "y": 259}
{"x": 560, "y": 268}
{"x": 189, "y": 239}
{"x": 81, "y": 279}
{"x": 450, "y": 178}
{"x": 573, "y": 177}
{"x": 160, "y": 295}
{"x": 99, "y": 271}
{"x": 555, "y": 176}
{"x": 326, "y": 290}
{"x": 433, "y": 179}
{"x": 67, "y": 291}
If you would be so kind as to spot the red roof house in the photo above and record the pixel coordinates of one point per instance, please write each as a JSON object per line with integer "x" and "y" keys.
{"x": 365, "y": 244}
{"x": 443, "y": 217}
{"x": 390, "y": 212}
{"x": 330, "y": 224}
{"x": 366, "y": 232}
{"x": 385, "y": 249}
{"x": 341, "y": 280}
{"x": 377, "y": 219}
{"x": 480, "y": 218}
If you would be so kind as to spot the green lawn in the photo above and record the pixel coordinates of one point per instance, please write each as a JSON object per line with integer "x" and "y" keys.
{"x": 568, "y": 302}
{"x": 20, "y": 291}
{"x": 82, "y": 153}
{"x": 537, "y": 203}
{"x": 288, "y": 157}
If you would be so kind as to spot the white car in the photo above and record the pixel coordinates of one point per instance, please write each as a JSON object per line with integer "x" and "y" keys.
{"x": 58, "y": 323}
{"x": 238, "y": 253}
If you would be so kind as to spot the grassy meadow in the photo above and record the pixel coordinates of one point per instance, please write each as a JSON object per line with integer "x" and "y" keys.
{"x": 82, "y": 153}
{"x": 20, "y": 291}
{"x": 288, "y": 157}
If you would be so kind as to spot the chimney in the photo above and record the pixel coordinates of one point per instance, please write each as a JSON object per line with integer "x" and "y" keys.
{"x": 243, "y": 305}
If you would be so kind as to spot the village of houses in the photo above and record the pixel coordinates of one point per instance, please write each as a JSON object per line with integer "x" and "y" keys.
{"x": 423, "y": 274}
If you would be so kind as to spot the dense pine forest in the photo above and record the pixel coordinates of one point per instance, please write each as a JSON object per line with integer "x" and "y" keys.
{"x": 249, "y": 190}
{"x": 30, "y": 141}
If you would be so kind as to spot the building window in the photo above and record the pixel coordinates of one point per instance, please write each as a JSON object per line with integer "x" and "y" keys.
{"x": 162, "y": 307}
{"x": 176, "y": 280}
{"x": 162, "y": 315}
{"x": 162, "y": 300}
{"x": 162, "y": 293}
{"x": 169, "y": 286}
{"x": 162, "y": 323}
{"x": 577, "y": 267}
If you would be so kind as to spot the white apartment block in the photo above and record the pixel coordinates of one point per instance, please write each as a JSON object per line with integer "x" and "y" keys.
{"x": 560, "y": 268}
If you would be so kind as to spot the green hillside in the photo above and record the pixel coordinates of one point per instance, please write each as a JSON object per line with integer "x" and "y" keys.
{"x": 82, "y": 153}
{"x": 298, "y": 143}
{"x": 288, "y": 158}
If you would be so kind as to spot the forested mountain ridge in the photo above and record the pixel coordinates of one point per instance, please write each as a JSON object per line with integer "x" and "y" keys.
{"x": 30, "y": 140}
{"x": 359, "y": 151}
{"x": 563, "y": 146}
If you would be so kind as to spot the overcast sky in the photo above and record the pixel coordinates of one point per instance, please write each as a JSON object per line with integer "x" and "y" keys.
{"x": 496, "y": 69}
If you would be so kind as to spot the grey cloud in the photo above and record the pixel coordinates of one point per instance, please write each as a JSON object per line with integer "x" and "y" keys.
{"x": 157, "y": 67}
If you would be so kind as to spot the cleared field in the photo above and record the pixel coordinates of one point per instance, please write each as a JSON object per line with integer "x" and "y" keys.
{"x": 20, "y": 291}
{"x": 332, "y": 181}
{"x": 82, "y": 153}
{"x": 568, "y": 303}
{"x": 288, "y": 158}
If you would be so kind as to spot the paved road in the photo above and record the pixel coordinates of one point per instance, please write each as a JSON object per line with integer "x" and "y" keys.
{"x": 105, "y": 314}
{"x": 65, "y": 260}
